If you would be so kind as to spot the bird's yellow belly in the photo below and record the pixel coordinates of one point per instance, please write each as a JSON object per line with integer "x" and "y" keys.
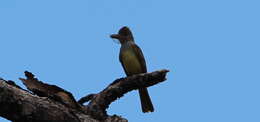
{"x": 131, "y": 63}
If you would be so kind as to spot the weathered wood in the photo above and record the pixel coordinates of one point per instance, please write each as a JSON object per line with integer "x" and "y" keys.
{"x": 51, "y": 91}
{"x": 100, "y": 102}
{"x": 19, "y": 105}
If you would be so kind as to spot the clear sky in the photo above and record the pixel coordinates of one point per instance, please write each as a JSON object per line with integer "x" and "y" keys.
{"x": 211, "y": 48}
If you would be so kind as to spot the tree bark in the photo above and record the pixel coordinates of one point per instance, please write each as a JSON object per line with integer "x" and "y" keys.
{"x": 50, "y": 103}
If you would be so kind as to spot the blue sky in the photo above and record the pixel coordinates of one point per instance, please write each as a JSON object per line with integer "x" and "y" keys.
{"x": 210, "y": 47}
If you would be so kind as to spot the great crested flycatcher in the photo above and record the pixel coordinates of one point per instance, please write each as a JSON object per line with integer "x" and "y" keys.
{"x": 133, "y": 62}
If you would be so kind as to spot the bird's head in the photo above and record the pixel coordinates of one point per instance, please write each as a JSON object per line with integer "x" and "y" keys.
{"x": 123, "y": 35}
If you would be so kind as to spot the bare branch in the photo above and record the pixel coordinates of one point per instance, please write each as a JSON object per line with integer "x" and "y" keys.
{"x": 100, "y": 102}
{"x": 50, "y": 91}
{"x": 20, "y": 105}
{"x": 86, "y": 99}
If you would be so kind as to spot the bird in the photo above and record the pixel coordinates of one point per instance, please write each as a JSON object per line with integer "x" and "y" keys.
{"x": 133, "y": 62}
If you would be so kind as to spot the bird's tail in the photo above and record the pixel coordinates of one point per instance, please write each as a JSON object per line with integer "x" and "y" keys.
{"x": 146, "y": 103}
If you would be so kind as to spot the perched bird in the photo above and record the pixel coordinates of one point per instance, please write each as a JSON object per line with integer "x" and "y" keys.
{"x": 133, "y": 62}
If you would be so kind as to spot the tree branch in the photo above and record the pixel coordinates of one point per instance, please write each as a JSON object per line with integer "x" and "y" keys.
{"x": 54, "y": 104}
{"x": 51, "y": 91}
{"x": 21, "y": 106}
{"x": 100, "y": 102}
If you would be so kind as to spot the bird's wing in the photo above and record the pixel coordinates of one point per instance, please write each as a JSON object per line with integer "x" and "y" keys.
{"x": 140, "y": 56}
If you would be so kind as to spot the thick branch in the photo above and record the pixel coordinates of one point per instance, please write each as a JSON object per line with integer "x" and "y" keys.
{"x": 21, "y": 106}
{"x": 100, "y": 102}
{"x": 51, "y": 91}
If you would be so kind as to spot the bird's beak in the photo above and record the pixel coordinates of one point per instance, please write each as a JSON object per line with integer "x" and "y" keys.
{"x": 115, "y": 36}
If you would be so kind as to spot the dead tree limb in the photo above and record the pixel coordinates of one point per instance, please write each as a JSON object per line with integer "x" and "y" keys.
{"x": 54, "y": 104}
{"x": 21, "y": 106}
{"x": 100, "y": 102}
